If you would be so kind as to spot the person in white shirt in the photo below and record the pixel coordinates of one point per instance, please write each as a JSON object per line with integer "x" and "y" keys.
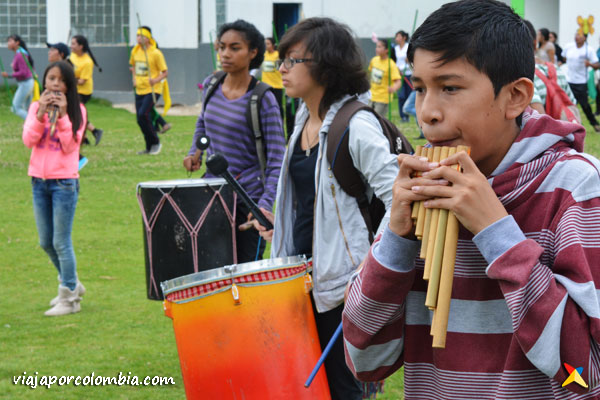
{"x": 579, "y": 57}
{"x": 401, "y": 48}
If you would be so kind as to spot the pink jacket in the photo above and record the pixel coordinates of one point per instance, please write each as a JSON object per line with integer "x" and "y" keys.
{"x": 54, "y": 157}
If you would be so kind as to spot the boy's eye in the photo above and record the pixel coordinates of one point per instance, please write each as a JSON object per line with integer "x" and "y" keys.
{"x": 450, "y": 89}
{"x": 419, "y": 89}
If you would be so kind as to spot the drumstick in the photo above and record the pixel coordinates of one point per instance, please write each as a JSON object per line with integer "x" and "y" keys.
{"x": 438, "y": 250}
{"x": 440, "y": 318}
{"x": 324, "y": 355}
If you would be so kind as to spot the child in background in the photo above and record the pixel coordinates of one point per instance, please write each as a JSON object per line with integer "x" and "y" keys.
{"x": 83, "y": 63}
{"x": 270, "y": 74}
{"x": 53, "y": 130}
{"x": 22, "y": 74}
{"x": 524, "y": 297}
{"x": 380, "y": 68}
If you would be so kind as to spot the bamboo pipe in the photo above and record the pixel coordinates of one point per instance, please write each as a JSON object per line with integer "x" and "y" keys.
{"x": 422, "y": 212}
{"x": 438, "y": 249}
{"x": 439, "y": 325}
{"x": 415, "y": 207}
{"x": 433, "y": 226}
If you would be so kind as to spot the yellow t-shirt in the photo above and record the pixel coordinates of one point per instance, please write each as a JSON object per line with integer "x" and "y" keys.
{"x": 84, "y": 69}
{"x": 140, "y": 67}
{"x": 378, "y": 69}
{"x": 270, "y": 74}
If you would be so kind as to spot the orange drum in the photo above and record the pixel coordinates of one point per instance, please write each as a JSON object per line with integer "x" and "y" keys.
{"x": 246, "y": 331}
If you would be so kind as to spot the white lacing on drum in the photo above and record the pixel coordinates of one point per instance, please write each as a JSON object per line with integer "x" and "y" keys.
{"x": 192, "y": 229}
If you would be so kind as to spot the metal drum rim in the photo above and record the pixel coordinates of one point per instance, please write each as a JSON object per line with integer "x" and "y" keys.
{"x": 172, "y": 183}
{"x": 224, "y": 272}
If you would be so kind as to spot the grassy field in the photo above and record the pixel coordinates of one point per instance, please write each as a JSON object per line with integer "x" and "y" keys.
{"x": 118, "y": 330}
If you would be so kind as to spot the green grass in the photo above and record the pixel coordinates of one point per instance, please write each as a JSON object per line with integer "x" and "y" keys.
{"x": 118, "y": 330}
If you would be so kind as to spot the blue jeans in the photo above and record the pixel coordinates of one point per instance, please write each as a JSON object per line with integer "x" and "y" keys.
{"x": 143, "y": 108}
{"x": 22, "y": 98}
{"x": 403, "y": 95}
{"x": 409, "y": 106}
{"x": 54, "y": 202}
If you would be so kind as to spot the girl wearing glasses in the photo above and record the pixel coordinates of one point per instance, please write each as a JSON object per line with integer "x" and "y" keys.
{"x": 241, "y": 48}
{"x": 323, "y": 66}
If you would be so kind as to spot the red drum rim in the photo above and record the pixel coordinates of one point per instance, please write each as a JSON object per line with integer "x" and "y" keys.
{"x": 193, "y": 286}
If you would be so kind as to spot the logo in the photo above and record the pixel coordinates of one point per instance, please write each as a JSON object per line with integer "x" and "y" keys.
{"x": 574, "y": 376}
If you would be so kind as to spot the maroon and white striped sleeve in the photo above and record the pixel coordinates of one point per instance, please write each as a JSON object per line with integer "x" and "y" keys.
{"x": 373, "y": 318}
{"x": 552, "y": 294}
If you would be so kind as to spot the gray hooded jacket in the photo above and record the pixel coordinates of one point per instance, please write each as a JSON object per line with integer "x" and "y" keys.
{"x": 340, "y": 236}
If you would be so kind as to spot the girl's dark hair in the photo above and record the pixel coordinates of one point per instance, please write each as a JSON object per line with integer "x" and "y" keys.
{"x": 252, "y": 35}
{"x": 545, "y": 34}
{"x": 73, "y": 108}
{"x": 405, "y": 35}
{"x": 86, "y": 48}
{"x": 338, "y": 63}
{"x": 270, "y": 39}
{"x": 555, "y": 35}
{"x": 22, "y": 43}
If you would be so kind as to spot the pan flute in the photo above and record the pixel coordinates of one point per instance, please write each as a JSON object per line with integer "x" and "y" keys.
{"x": 438, "y": 231}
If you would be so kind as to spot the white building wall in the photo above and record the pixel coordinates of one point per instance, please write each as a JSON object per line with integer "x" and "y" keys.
{"x": 58, "y": 23}
{"x": 568, "y": 12}
{"x": 174, "y": 24}
{"x": 543, "y": 14}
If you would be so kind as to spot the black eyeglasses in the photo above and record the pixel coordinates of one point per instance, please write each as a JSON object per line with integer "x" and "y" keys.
{"x": 290, "y": 62}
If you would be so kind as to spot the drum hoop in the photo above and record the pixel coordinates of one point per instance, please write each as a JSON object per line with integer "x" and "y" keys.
{"x": 175, "y": 183}
{"x": 198, "y": 292}
{"x": 235, "y": 271}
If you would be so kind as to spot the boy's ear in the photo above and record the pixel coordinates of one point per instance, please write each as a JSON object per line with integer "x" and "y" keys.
{"x": 519, "y": 97}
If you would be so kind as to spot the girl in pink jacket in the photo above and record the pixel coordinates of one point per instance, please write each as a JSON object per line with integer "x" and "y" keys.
{"x": 53, "y": 130}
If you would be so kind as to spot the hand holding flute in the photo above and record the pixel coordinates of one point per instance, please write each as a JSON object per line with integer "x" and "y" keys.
{"x": 53, "y": 103}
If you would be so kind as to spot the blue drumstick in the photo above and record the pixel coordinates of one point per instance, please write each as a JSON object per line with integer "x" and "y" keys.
{"x": 324, "y": 355}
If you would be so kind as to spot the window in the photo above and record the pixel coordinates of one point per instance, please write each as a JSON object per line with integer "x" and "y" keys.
{"x": 26, "y": 18}
{"x": 221, "y": 13}
{"x": 100, "y": 21}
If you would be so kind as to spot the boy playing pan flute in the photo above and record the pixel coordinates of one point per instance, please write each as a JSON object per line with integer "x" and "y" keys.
{"x": 524, "y": 300}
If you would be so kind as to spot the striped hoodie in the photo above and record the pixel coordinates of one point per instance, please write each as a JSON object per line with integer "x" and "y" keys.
{"x": 224, "y": 122}
{"x": 525, "y": 290}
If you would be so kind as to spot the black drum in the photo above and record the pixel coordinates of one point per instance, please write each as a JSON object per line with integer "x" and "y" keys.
{"x": 189, "y": 226}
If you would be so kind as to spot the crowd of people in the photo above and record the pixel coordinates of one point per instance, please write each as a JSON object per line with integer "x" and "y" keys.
{"x": 527, "y": 198}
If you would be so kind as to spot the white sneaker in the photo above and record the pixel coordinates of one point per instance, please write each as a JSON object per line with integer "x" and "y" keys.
{"x": 155, "y": 149}
{"x": 68, "y": 303}
{"x": 79, "y": 288}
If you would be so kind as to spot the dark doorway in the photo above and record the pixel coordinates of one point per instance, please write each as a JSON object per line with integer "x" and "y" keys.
{"x": 285, "y": 15}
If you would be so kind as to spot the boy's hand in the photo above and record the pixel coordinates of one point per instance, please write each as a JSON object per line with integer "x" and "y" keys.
{"x": 470, "y": 197}
{"x": 401, "y": 222}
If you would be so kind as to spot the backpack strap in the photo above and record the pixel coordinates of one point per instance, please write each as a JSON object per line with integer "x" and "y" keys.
{"x": 211, "y": 86}
{"x": 253, "y": 120}
{"x": 340, "y": 161}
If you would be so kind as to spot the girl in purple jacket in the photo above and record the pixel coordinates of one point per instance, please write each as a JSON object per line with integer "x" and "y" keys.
{"x": 22, "y": 74}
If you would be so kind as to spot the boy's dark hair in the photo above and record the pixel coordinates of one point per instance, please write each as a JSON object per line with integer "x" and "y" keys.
{"x": 384, "y": 42}
{"x": 252, "y": 35}
{"x": 22, "y": 43}
{"x": 531, "y": 29}
{"x": 486, "y": 33}
{"x": 337, "y": 61}
{"x": 82, "y": 40}
{"x": 73, "y": 109}
{"x": 545, "y": 34}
